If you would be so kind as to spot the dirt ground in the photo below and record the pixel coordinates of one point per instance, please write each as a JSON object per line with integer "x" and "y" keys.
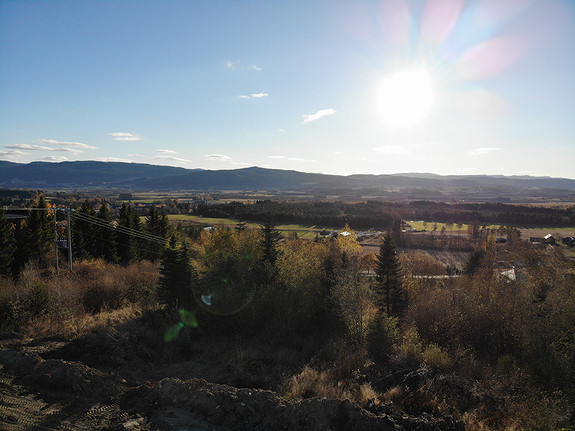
{"x": 116, "y": 379}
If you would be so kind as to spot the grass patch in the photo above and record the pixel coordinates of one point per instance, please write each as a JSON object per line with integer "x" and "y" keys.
{"x": 304, "y": 232}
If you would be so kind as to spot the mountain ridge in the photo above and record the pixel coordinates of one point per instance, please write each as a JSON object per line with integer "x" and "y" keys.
{"x": 147, "y": 177}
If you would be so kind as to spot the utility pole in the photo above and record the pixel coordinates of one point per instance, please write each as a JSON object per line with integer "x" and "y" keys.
{"x": 56, "y": 237}
{"x": 69, "y": 239}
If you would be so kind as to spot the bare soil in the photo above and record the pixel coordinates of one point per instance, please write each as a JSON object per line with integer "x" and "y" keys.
{"x": 128, "y": 379}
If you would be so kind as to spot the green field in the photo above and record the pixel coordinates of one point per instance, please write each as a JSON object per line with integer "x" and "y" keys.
{"x": 305, "y": 232}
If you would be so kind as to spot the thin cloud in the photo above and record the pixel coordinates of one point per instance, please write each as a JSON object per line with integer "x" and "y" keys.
{"x": 56, "y": 159}
{"x": 307, "y": 118}
{"x": 175, "y": 159}
{"x": 67, "y": 144}
{"x": 218, "y": 157}
{"x": 482, "y": 151}
{"x": 32, "y": 147}
{"x": 124, "y": 136}
{"x": 253, "y": 96}
{"x": 112, "y": 159}
{"x": 167, "y": 152}
{"x": 276, "y": 157}
{"x": 256, "y": 68}
{"x": 282, "y": 130}
{"x": 12, "y": 153}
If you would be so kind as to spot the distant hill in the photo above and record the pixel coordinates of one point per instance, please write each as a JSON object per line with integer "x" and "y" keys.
{"x": 413, "y": 186}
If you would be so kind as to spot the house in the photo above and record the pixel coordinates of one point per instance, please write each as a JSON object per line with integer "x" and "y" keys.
{"x": 569, "y": 241}
{"x": 549, "y": 239}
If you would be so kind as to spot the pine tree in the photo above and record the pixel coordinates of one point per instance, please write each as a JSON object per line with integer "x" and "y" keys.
{"x": 177, "y": 277}
{"x": 157, "y": 224}
{"x": 82, "y": 232}
{"x": 105, "y": 243}
{"x": 127, "y": 244}
{"x": 270, "y": 240}
{"x": 39, "y": 231}
{"x": 7, "y": 245}
{"x": 390, "y": 292}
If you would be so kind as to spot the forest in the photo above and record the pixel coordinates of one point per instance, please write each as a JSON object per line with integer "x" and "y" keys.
{"x": 493, "y": 348}
{"x": 383, "y": 215}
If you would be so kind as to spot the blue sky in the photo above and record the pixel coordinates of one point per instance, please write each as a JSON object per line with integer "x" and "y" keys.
{"x": 342, "y": 87}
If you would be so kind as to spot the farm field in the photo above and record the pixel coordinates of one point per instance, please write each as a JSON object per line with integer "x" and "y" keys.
{"x": 304, "y": 232}
{"x": 526, "y": 232}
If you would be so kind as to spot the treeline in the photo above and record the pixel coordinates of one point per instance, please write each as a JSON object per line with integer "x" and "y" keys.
{"x": 384, "y": 215}
{"x": 32, "y": 235}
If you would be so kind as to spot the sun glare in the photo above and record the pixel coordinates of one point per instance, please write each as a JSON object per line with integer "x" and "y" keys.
{"x": 405, "y": 98}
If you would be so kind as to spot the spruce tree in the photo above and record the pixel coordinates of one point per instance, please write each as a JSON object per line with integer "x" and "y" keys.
{"x": 127, "y": 243}
{"x": 105, "y": 243}
{"x": 270, "y": 240}
{"x": 156, "y": 224}
{"x": 39, "y": 231}
{"x": 7, "y": 245}
{"x": 177, "y": 276}
{"x": 391, "y": 295}
{"x": 82, "y": 232}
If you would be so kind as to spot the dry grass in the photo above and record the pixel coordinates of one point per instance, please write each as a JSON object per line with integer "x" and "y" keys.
{"x": 45, "y": 302}
{"x": 311, "y": 383}
{"x": 73, "y": 326}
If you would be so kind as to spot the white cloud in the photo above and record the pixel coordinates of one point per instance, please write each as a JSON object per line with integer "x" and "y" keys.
{"x": 282, "y": 130}
{"x": 175, "y": 159}
{"x": 167, "y": 152}
{"x": 32, "y": 147}
{"x": 483, "y": 150}
{"x": 124, "y": 136}
{"x": 253, "y": 96}
{"x": 56, "y": 158}
{"x": 135, "y": 155}
{"x": 307, "y": 118}
{"x": 112, "y": 159}
{"x": 12, "y": 153}
{"x": 256, "y": 68}
{"x": 67, "y": 144}
{"x": 276, "y": 157}
{"x": 218, "y": 157}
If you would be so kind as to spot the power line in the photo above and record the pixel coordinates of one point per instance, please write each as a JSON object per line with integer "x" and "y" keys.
{"x": 119, "y": 228}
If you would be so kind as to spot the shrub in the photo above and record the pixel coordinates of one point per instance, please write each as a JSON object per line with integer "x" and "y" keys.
{"x": 435, "y": 357}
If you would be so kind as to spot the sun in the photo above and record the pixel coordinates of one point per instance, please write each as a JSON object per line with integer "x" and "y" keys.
{"x": 405, "y": 98}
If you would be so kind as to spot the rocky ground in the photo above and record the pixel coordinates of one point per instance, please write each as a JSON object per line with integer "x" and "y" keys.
{"x": 94, "y": 384}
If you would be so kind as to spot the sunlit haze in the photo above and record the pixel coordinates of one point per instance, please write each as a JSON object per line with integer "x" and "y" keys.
{"x": 339, "y": 87}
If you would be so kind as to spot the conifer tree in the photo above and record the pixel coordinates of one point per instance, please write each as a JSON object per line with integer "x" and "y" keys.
{"x": 127, "y": 244}
{"x": 157, "y": 224}
{"x": 7, "y": 245}
{"x": 177, "y": 277}
{"x": 390, "y": 292}
{"x": 105, "y": 243}
{"x": 82, "y": 232}
{"x": 39, "y": 231}
{"x": 270, "y": 240}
